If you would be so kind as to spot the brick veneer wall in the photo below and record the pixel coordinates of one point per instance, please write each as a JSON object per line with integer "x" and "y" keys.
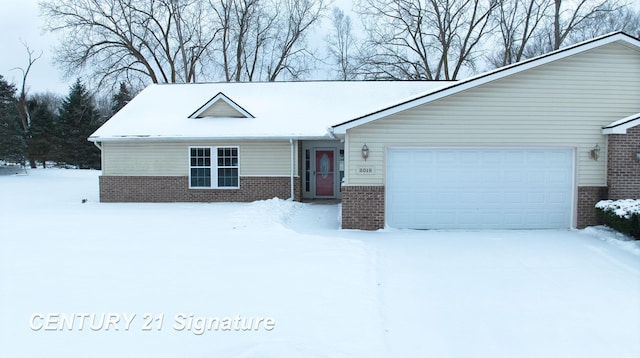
{"x": 176, "y": 189}
{"x": 623, "y": 168}
{"x": 363, "y": 207}
{"x": 588, "y": 196}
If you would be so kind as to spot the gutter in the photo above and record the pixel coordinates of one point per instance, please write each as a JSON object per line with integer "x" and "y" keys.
{"x": 145, "y": 138}
{"x": 293, "y": 193}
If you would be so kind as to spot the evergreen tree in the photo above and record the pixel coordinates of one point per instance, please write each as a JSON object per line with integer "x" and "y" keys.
{"x": 42, "y": 133}
{"x": 120, "y": 99}
{"x": 12, "y": 140}
{"x": 78, "y": 118}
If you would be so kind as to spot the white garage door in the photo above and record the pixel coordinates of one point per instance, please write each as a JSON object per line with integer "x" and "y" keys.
{"x": 472, "y": 188}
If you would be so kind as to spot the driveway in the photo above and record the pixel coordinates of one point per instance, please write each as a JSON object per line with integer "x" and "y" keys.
{"x": 508, "y": 294}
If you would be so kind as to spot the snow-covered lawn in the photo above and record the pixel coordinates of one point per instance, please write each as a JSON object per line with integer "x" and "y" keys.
{"x": 329, "y": 292}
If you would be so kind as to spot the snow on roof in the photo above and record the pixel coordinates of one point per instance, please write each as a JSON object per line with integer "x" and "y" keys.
{"x": 621, "y": 126}
{"x": 281, "y": 109}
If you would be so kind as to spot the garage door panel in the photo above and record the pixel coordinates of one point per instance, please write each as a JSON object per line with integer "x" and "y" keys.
{"x": 424, "y": 158}
{"x": 479, "y": 188}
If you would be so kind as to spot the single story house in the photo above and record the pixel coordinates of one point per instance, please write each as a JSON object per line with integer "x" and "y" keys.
{"x": 531, "y": 145}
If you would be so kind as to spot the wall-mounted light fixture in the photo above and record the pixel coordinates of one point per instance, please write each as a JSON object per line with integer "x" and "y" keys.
{"x": 638, "y": 153}
{"x": 595, "y": 152}
{"x": 365, "y": 152}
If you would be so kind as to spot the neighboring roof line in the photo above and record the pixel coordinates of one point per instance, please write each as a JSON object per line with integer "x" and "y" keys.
{"x": 221, "y": 97}
{"x": 488, "y": 77}
{"x": 621, "y": 126}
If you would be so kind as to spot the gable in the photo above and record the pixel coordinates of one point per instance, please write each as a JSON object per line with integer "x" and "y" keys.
{"x": 562, "y": 104}
{"x": 609, "y": 45}
{"x": 221, "y": 106}
{"x": 221, "y": 109}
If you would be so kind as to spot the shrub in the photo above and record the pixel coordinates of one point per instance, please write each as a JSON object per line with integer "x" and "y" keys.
{"x": 621, "y": 215}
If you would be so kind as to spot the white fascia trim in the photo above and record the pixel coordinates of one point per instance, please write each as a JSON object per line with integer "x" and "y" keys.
{"x": 489, "y": 77}
{"x": 144, "y": 138}
{"x": 221, "y": 97}
{"x": 621, "y": 126}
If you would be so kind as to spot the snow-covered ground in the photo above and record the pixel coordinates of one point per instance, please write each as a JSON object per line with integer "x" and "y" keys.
{"x": 329, "y": 292}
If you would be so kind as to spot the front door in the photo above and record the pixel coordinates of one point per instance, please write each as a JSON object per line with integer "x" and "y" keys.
{"x": 325, "y": 172}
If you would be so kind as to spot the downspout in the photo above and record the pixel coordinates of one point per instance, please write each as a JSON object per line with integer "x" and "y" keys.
{"x": 293, "y": 193}
{"x": 99, "y": 146}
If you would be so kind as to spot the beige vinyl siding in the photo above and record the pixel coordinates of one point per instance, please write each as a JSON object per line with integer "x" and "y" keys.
{"x": 172, "y": 159}
{"x": 221, "y": 109}
{"x": 561, "y": 104}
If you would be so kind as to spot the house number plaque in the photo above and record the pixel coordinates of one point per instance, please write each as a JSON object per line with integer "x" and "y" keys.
{"x": 366, "y": 170}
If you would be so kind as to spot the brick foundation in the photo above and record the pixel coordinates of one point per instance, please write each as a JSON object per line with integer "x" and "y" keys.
{"x": 623, "y": 168}
{"x": 167, "y": 189}
{"x": 588, "y": 196}
{"x": 363, "y": 207}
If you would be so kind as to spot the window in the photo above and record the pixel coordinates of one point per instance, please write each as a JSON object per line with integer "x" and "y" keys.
{"x": 200, "y": 167}
{"x": 221, "y": 171}
{"x": 227, "y": 167}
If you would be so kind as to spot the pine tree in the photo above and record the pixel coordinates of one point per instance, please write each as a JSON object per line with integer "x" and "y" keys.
{"x": 42, "y": 132}
{"x": 78, "y": 118}
{"x": 120, "y": 99}
{"x": 12, "y": 141}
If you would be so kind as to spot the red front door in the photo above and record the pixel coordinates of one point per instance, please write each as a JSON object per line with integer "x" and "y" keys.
{"x": 325, "y": 172}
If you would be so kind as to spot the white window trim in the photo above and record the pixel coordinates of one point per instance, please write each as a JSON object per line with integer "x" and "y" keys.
{"x": 214, "y": 167}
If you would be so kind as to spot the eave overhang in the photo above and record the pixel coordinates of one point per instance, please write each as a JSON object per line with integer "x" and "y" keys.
{"x": 146, "y": 138}
{"x": 621, "y": 126}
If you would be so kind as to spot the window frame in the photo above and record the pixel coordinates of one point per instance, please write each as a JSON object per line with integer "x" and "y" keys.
{"x": 213, "y": 167}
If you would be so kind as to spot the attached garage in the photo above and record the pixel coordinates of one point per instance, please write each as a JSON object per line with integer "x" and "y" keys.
{"x": 480, "y": 188}
{"x": 519, "y": 147}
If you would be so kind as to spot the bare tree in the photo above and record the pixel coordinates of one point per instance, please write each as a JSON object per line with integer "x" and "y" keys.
{"x": 168, "y": 41}
{"x": 341, "y": 45}
{"x": 625, "y": 18}
{"x": 245, "y": 27}
{"x": 568, "y": 22}
{"x": 569, "y": 17}
{"x": 124, "y": 40}
{"x": 265, "y": 39}
{"x": 22, "y": 101}
{"x": 519, "y": 22}
{"x": 289, "y": 54}
{"x": 431, "y": 39}
{"x": 530, "y": 28}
